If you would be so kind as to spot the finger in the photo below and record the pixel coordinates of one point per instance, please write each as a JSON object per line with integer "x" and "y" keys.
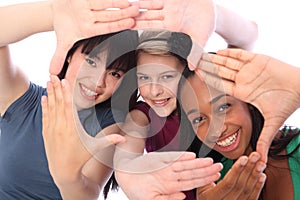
{"x": 58, "y": 58}
{"x": 203, "y": 192}
{"x": 150, "y": 15}
{"x": 45, "y": 117}
{"x": 264, "y": 143}
{"x": 114, "y": 139}
{"x": 146, "y": 24}
{"x": 110, "y": 27}
{"x": 149, "y": 4}
{"x": 70, "y": 110}
{"x": 218, "y": 70}
{"x": 254, "y": 195}
{"x": 252, "y": 181}
{"x": 184, "y": 164}
{"x": 104, "y": 4}
{"x": 199, "y": 172}
{"x": 239, "y": 54}
{"x": 228, "y": 183}
{"x": 184, "y": 185}
{"x": 175, "y": 196}
{"x": 240, "y": 185}
{"x": 216, "y": 82}
{"x": 115, "y": 15}
{"x": 51, "y": 101}
{"x": 170, "y": 157}
{"x": 224, "y": 61}
{"x": 59, "y": 101}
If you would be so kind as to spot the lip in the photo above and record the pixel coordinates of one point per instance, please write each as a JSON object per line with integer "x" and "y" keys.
{"x": 87, "y": 93}
{"x": 229, "y": 142}
{"x": 160, "y": 102}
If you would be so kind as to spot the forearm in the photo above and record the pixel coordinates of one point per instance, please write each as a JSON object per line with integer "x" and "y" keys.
{"x": 23, "y": 20}
{"x": 79, "y": 188}
{"x": 294, "y": 79}
{"x": 236, "y": 30}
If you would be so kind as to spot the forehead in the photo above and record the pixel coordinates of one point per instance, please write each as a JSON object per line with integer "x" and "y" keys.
{"x": 195, "y": 89}
{"x": 158, "y": 63}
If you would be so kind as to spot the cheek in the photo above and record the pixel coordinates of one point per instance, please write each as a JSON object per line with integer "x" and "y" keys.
{"x": 144, "y": 89}
{"x": 201, "y": 132}
{"x": 171, "y": 88}
{"x": 112, "y": 83}
{"x": 73, "y": 73}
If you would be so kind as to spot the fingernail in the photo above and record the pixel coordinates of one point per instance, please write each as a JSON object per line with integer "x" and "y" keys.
{"x": 63, "y": 83}
{"x": 262, "y": 178}
{"x": 254, "y": 158}
{"x": 261, "y": 167}
{"x": 243, "y": 161}
{"x": 52, "y": 78}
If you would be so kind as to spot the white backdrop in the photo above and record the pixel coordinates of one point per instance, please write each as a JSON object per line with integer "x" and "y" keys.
{"x": 278, "y": 37}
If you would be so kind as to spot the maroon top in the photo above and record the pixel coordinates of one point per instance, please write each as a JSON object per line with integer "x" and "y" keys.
{"x": 163, "y": 134}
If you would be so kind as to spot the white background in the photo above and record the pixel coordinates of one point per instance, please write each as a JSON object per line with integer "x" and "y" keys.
{"x": 278, "y": 37}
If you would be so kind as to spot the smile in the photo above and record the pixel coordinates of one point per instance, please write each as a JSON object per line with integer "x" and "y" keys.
{"x": 228, "y": 141}
{"x": 160, "y": 103}
{"x": 88, "y": 92}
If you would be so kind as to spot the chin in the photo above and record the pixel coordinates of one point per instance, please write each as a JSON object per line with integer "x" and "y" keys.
{"x": 162, "y": 113}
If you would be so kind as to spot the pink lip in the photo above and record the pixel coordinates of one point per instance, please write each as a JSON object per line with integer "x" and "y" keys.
{"x": 232, "y": 146}
{"x": 87, "y": 96}
{"x": 163, "y": 103}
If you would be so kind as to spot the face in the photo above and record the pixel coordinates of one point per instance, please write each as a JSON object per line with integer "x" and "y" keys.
{"x": 158, "y": 78}
{"x": 90, "y": 81}
{"x": 221, "y": 121}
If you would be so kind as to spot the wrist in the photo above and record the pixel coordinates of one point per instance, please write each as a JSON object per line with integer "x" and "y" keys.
{"x": 237, "y": 31}
{"x": 297, "y": 83}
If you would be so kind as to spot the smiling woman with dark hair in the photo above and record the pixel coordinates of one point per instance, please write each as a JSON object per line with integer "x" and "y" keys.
{"x": 218, "y": 121}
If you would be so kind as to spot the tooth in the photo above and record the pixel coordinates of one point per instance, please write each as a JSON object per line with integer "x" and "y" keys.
{"x": 89, "y": 92}
{"x": 228, "y": 141}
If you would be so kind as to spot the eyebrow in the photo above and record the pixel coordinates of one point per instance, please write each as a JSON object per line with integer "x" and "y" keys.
{"x": 191, "y": 111}
{"x": 166, "y": 72}
{"x": 217, "y": 98}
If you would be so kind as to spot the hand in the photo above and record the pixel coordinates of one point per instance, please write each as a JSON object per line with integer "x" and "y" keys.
{"x": 244, "y": 180}
{"x": 78, "y": 19}
{"x": 172, "y": 172}
{"x": 193, "y": 17}
{"x": 68, "y": 146}
{"x": 265, "y": 82}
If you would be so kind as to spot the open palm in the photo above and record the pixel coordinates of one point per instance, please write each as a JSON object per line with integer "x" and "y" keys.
{"x": 263, "y": 81}
{"x": 180, "y": 16}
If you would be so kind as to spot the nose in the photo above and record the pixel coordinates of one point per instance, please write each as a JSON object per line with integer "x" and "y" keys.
{"x": 224, "y": 128}
{"x": 217, "y": 130}
{"x": 156, "y": 89}
{"x": 102, "y": 80}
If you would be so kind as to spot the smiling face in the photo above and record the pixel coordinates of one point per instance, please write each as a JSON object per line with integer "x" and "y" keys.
{"x": 158, "y": 77}
{"x": 91, "y": 82}
{"x": 221, "y": 121}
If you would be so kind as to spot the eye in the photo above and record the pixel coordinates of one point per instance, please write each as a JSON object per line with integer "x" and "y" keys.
{"x": 167, "y": 76}
{"x": 223, "y": 107}
{"x": 116, "y": 74}
{"x": 143, "y": 78}
{"x": 197, "y": 120}
{"x": 90, "y": 61}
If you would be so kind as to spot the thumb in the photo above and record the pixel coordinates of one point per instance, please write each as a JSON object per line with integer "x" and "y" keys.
{"x": 100, "y": 143}
{"x": 202, "y": 192}
{"x": 58, "y": 58}
{"x": 103, "y": 148}
{"x": 171, "y": 156}
{"x": 264, "y": 141}
{"x": 115, "y": 139}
